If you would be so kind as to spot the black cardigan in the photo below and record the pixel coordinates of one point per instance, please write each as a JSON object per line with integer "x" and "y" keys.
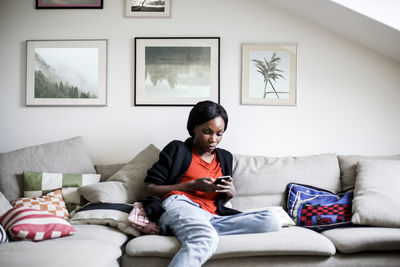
{"x": 173, "y": 162}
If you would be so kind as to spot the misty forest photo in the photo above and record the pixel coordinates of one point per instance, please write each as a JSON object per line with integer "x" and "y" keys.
{"x": 66, "y": 73}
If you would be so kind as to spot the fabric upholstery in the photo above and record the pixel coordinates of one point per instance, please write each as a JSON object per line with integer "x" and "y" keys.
{"x": 4, "y": 204}
{"x": 108, "y": 170}
{"x": 348, "y": 167}
{"x": 261, "y": 181}
{"x": 357, "y": 239}
{"x": 376, "y": 197}
{"x": 287, "y": 241}
{"x": 66, "y": 156}
{"x": 126, "y": 185}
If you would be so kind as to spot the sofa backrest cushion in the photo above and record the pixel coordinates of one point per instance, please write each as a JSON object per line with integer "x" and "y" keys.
{"x": 66, "y": 156}
{"x": 348, "y": 167}
{"x": 261, "y": 181}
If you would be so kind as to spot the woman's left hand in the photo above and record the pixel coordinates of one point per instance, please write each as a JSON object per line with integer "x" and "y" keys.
{"x": 227, "y": 187}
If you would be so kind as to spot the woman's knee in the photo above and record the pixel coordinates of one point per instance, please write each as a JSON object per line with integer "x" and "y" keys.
{"x": 274, "y": 221}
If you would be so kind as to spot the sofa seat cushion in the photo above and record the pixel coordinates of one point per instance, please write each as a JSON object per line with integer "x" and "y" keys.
{"x": 93, "y": 245}
{"x": 357, "y": 239}
{"x": 288, "y": 241}
{"x": 261, "y": 181}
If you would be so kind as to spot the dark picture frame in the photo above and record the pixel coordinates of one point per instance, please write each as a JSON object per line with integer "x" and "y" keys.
{"x": 77, "y": 4}
{"x": 176, "y": 71}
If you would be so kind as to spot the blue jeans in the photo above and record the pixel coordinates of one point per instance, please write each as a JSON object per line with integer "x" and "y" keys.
{"x": 198, "y": 230}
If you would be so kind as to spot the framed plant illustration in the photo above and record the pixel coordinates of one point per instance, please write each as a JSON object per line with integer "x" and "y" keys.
{"x": 174, "y": 71}
{"x": 269, "y": 74}
{"x": 69, "y": 4}
{"x": 147, "y": 8}
{"x": 66, "y": 72}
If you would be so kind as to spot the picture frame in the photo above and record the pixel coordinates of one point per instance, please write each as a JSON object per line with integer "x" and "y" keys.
{"x": 269, "y": 74}
{"x": 66, "y": 72}
{"x": 176, "y": 71}
{"x": 147, "y": 9}
{"x": 51, "y": 4}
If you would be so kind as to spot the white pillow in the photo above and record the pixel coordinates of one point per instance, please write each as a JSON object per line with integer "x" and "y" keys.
{"x": 376, "y": 192}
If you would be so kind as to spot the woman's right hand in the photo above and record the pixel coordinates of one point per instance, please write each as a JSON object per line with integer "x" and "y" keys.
{"x": 202, "y": 184}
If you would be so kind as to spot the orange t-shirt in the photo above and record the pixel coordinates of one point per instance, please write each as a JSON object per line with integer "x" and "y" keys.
{"x": 199, "y": 168}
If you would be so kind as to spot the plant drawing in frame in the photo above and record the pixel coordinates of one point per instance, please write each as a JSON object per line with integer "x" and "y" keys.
{"x": 66, "y": 72}
{"x": 269, "y": 74}
{"x": 69, "y": 4}
{"x": 176, "y": 71}
{"x": 147, "y": 8}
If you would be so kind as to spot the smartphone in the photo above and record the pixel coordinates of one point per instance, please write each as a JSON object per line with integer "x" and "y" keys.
{"x": 219, "y": 179}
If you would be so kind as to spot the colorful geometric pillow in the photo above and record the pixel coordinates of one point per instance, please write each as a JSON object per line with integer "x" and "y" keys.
{"x": 3, "y": 235}
{"x": 36, "y": 184}
{"x": 111, "y": 214}
{"x": 32, "y": 224}
{"x": 319, "y": 209}
{"x": 51, "y": 202}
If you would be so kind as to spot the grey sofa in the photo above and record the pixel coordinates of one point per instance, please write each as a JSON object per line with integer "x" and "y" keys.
{"x": 260, "y": 182}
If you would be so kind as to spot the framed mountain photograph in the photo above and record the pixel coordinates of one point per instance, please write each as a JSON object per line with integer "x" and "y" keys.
{"x": 66, "y": 72}
{"x": 147, "y": 8}
{"x": 175, "y": 71}
{"x": 269, "y": 74}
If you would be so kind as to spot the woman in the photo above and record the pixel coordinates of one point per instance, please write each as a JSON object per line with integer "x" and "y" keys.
{"x": 192, "y": 203}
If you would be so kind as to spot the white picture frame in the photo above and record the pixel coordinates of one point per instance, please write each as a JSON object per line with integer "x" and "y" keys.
{"x": 269, "y": 74}
{"x": 147, "y": 9}
{"x": 66, "y": 73}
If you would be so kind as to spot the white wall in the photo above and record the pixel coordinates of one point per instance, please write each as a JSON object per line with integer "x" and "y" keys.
{"x": 348, "y": 96}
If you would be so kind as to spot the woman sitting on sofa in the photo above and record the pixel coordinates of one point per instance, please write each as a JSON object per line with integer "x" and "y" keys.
{"x": 184, "y": 180}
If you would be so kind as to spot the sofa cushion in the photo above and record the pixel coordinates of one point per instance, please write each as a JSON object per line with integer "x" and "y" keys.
{"x": 357, "y": 239}
{"x": 66, "y": 156}
{"x": 32, "y": 224}
{"x": 4, "y": 204}
{"x": 287, "y": 241}
{"x": 261, "y": 181}
{"x": 319, "y": 209}
{"x": 348, "y": 167}
{"x": 111, "y": 214}
{"x": 37, "y": 183}
{"x": 376, "y": 197}
{"x": 51, "y": 202}
{"x": 127, "y": 184}
{"x": 91, "y": 246}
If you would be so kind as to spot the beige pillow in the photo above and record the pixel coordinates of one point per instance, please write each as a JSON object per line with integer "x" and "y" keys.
{"x": 285, "y": 218}
{"x": 376, "y": 200}
{"x": 126, "y": 185}
{"x": 4, "y": 204}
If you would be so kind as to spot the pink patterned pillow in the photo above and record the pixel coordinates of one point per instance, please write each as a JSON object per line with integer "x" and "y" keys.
{"x": 31, "y": 224}
{"x": 139, "y": 220}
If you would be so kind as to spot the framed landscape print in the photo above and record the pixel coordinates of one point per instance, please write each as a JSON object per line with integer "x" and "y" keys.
{"x": 147, "y": 8}
{"x": 69, "y": 4}
{"x": 66, "y": 72}
{"x": 269, "y": 74}
{"x": 174, "y": 71}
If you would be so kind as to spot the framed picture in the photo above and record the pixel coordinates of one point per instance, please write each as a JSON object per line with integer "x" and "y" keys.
{"x": 147, "y": 8}
{"x": 66, "y": 72}
{"x": 40, "y": 4}
{"x": 174, "y": 71}
{"x": 269, "y": 74}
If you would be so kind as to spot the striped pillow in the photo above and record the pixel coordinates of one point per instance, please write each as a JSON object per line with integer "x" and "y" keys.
{"x": 38, "y": 183}
{"x": 3, "y": 235}
{"x": 31, "y": 224}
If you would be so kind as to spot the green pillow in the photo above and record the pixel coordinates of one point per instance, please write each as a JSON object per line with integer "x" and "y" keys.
{"x": 36, "y": 184}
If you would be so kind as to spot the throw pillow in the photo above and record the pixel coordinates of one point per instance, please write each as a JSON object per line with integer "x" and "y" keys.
{"x": 111, "y": 214}
{"x": 4, "y": 204}
{"x": 66, "y": 156}
{"x": 319, "y": 209}
{"x": 51, "y": 202}
{"x": 31, "y": 224}
{"x": 3, "y": 235}
{"x": 376, "y": 200}
{"x": 285, "y": 218}
{"x": 37, "y": 183}
{"x": 126, "y": 185}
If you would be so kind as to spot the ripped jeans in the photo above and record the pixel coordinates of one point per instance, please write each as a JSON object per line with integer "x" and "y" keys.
{"x": 198, "y": 230}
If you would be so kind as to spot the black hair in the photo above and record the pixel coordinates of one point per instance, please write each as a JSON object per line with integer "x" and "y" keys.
{"x": 204, "y": 111}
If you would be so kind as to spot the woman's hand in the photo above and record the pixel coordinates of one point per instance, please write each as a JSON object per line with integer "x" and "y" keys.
{"x": 202, "y": 184}
{"x": 227, "y": 187}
